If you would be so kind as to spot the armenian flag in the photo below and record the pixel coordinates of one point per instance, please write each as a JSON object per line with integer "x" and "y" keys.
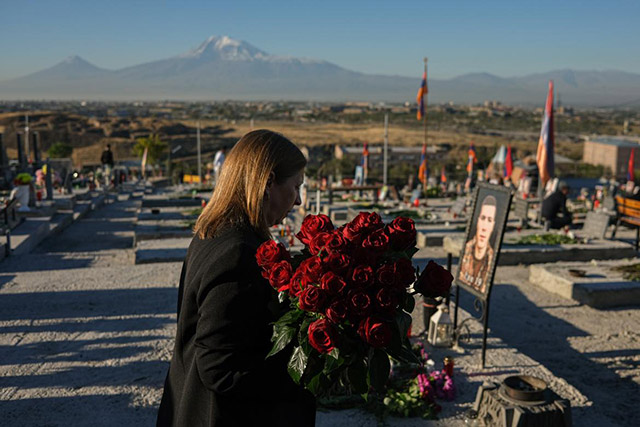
{"x": 443, "y": 175}
{"x": 421, "y": 93}
{"x": 422, "y": 171}
{"x": 472, "y": 158}
{"x": 365, "y": 161}
{"x": 508, "y": 163}
{"x": 631, "y": 172}
{"x": 544, "y": 157}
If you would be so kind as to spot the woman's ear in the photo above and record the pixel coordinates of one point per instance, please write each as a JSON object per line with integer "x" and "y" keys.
{"x": 270, "y": 181}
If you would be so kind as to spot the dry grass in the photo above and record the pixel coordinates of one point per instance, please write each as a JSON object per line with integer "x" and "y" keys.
{"x": 317, "y": 134}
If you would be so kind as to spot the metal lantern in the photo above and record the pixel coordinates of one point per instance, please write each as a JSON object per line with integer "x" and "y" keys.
{"x": 441, "y": 328}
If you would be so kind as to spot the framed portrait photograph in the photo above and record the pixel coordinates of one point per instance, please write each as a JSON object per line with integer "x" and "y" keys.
{"x": 483, "y": 239}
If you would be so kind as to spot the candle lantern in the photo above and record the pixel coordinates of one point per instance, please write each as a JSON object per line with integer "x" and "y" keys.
{"x": 441, "y": 328}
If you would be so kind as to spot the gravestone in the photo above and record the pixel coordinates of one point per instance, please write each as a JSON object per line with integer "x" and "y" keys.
{"x": 609, "y": 204}
{"x": 521, "y": 210}
{"x": 595, "y": 225}
{"x": 459, "y": 206}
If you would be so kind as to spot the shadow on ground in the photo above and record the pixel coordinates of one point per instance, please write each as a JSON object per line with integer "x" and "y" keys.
{"x": 521, "y": 324}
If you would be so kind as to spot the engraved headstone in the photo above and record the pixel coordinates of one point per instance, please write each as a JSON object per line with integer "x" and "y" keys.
{"x": 595, "y": 225}
{"x": 521, "y": 210}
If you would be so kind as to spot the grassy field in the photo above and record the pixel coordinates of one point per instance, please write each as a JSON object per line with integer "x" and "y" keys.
{"x": 316, "y": 134}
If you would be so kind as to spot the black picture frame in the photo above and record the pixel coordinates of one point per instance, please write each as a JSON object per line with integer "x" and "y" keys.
{"x": 480, "y": 283}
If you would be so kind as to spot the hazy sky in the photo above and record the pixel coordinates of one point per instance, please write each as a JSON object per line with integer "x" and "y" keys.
{"x": 506, "y": 38}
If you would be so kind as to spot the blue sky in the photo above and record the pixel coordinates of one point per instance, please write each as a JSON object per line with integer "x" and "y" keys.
{"x": 506, "y": 38}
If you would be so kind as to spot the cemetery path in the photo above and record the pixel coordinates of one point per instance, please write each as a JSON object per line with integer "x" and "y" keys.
{"x": 85, "y": 335}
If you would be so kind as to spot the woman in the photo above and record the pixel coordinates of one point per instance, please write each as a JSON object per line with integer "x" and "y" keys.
{"x": 218, "y": 374}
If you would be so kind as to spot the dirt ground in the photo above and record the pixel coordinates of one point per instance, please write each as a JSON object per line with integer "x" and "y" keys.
{"x": 86, "y": 335}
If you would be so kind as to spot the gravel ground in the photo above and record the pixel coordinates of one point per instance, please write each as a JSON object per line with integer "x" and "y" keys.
{"x": 86, "y": 335}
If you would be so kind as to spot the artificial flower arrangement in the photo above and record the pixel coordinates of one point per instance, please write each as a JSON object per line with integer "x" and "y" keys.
{"x": 22, "y": 179}
{"x": 350, "y": 295}
{"x": 415, "y": 394}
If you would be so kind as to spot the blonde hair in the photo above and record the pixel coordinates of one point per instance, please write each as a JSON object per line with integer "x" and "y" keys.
{"x": 239, "y": 193}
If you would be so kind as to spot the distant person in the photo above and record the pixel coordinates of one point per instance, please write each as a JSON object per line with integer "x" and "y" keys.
{"x": 478, "y": 253}
{"x": 554, "y": 207}
{"x": 218, "y": 161}
{"x": 107, "y": 163}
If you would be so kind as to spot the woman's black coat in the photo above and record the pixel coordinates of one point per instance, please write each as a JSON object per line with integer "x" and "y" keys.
{"x": 218, "y": 374}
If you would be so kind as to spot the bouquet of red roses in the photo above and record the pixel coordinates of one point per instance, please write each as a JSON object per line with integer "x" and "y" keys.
{"x": 350, "y": 294}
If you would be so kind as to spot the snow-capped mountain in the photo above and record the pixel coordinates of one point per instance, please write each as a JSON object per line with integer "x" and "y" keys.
{"x": 226, "y": 68}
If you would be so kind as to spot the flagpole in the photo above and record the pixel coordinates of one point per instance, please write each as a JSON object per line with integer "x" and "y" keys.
{"x": 426, "y": 99}
{"x": 386, "y": 147}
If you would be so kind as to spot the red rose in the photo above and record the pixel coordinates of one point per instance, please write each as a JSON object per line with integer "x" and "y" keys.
{"x": 337, "y": 311}
{"x": 362, "y": 276}
{"x": 375, "y": 332}
{"x": 378, "y": 241}
{"x": 336, "y": 243}
{"x": 312, "y": 225}
{"x": 312, "y": 268}
{"x": 405, "y": 273}
{"x": 387, "y": 299}
{"x": 339, "y": 263}
{"x": 359, "y": 302}
{"x": 313, "y": 299}
{"x": 402, "y": 233}
{"x": 368, "y": 220}
{"x": 354, "y": 232}
{"x": 322, "y": 335}
{"x": 280, "y": 275}
{"x": 434, "y": 281}
{"x": 299, "y": 282}
{"x": 386, "y": 275}
{"x": 319, "y": 243}
{"x": 271, "y": 252}
{"x": 332, "y": 283}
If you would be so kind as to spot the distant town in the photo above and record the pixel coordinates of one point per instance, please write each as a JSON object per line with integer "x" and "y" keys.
{"x": 333, "y": 133}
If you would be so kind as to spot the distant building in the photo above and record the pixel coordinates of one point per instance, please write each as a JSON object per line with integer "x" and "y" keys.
{"x": 612, "y": 153}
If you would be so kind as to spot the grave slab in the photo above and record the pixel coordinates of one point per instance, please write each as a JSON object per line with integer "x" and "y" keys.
{"x": 165, "y": 250}
{"x": 601, "y": 287}
{"x": 152, "y": 230}
{"x": 539, "y": 254}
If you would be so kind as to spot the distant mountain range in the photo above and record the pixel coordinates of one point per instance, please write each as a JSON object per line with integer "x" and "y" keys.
{"x": 224, "y": 68}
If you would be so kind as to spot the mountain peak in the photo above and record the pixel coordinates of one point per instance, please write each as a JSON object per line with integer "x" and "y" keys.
{"x": 227, "y": 48}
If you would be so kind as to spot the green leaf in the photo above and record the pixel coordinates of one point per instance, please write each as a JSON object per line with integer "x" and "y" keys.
{"x": 304, "y": 330}
{"x": 315, "y": 365}
{"x": 290, "y": 317}
{"x": 357, "y": 374}
{"x": 282, "y": 336}
{"x": 379, "y": 368}
{"x": 409, "y": 303}
{"x": 332, "y": 364}
{"x": 297, "y": 364}
{"x": 411, "y": 251}
{"x": 403, "y": 321}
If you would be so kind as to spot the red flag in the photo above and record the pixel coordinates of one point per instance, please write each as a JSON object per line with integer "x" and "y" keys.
{"x": 443, "y": 176}
{"x": 472, "y": 158}
{"x": 544, "y": 157}
{"x": 631, "y": 172}
{"x": 422, "y": 171}
{"x": 508, "y": 163}
{"x": 365, "y": 161}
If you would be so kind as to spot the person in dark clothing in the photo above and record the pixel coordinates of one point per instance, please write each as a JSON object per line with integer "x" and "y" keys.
{"x": 219, "y": 374}
{"x": 554, "y": 207}
{"x": 107, "y": 164}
